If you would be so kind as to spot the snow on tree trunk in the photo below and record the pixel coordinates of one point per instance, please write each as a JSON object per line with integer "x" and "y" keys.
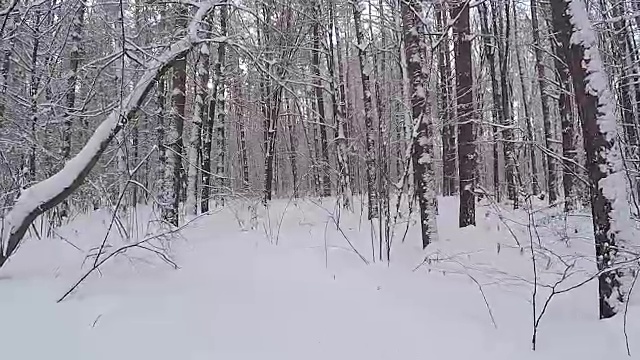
{"x": 50, "y": 192}
{"x": 466, "y": 123}
{"x": 422, "y": 154}
{"x": 596, "y": 107}
{"x": 365, "y": 71}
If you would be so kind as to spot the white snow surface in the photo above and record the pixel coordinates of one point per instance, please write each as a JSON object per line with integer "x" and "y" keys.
{"x": 238, "y": 295}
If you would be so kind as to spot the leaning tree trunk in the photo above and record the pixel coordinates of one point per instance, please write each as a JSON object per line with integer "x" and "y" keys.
{"x": 596, "y": 108}
{"x": 365, "y": 71}
{"x": 422, "y": 154}
{"x": 466, "y": 123}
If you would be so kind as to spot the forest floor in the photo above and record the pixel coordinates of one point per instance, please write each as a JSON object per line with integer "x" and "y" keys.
{"x": 292, "y": 287}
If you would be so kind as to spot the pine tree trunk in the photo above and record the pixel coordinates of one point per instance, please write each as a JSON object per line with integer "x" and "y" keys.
{"x": 596, "y": 107}
{"x": 422, "y": 154}
{"x": 466, "y": 123}
{"x": 365, "y": 71}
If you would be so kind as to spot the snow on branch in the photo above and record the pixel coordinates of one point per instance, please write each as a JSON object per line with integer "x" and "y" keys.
{"x": 46, "y": 194}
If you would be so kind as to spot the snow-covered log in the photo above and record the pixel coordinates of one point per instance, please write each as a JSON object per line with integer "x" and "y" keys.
{"x": 48, "y": 193}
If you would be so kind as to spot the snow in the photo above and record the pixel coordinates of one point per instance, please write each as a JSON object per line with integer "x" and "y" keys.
{"x": 239, "y": 296}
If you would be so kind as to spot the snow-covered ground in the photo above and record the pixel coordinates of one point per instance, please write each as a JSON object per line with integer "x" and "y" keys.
{"x": 291, "y": 287}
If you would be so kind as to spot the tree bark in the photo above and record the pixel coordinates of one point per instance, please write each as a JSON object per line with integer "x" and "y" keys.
{"x": 365, "y": 71}
{"x": 422, "y": 154}
{"x": 466, "y": 123}
{"x": 596, "y": 108}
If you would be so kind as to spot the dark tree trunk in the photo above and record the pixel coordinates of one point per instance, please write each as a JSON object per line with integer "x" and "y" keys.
{"x": 597, "y": 113}
{"x": 466, "y": 123}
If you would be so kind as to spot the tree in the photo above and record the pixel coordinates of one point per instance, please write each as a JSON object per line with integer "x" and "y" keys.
{"x": 544, "y": 98}
{"x": 422, "y": 153}
{"x": 465, "y": 104}
{"x": 46, "y": 194}
{"x": 596, "y": 108}
{"x": 365, "y": 72}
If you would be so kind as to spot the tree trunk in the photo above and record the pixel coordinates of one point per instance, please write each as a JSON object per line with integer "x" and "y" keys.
{"x": 466, "y": 123}
{"x": 446, "y": 116}
{"x": 195, "y": 150}
{"x": 544, "y": 99}
{"x": 570, "y": 167}
{"x": 365, "y": 71}
{"x": 220, "y": 124}
{"x": 507, "y": 121}
{"x": 74, "y": 62}
{"x": 596, "y": 108}
{"x": 339, "y": 108}
{"x": 496, "y": 111}
{"x": 422, "y": 154}
{"x": 535, "y": 187}
{"x": 174, "y": 141}
{"x": 319, "y": 95}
